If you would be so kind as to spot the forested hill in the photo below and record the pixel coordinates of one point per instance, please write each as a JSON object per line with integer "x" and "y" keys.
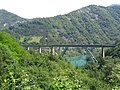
{"x": 89, "y": 25}
{"x": 8, "y": 19}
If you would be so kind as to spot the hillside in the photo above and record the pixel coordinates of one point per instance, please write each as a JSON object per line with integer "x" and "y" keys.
{"x": 89, "y": 25}
{"x": 23, "y": 70}
{"x": 7, "y": 18}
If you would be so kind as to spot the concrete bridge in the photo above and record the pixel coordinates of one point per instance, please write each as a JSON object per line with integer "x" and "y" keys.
{"x": 52, "y": 47}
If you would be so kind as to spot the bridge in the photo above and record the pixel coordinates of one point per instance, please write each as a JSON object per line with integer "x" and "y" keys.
{"x": 52, "y": 47}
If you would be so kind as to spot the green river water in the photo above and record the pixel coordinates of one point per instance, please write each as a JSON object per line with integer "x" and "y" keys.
{"x": 77, "y": 60}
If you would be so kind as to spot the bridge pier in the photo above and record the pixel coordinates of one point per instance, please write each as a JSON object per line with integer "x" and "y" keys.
{"x": 28, "y": 48}
{"x": 52, "y": 51}
{"x": 59, "y": 48}
{"x": 40, "y": 49}
{"x": 103, "y": 52}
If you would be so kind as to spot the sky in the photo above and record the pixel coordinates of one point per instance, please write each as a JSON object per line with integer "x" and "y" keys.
{"x": 48, "y": 8}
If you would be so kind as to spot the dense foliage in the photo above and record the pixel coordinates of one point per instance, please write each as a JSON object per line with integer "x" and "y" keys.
{"x": 23, "y": 70}
{"x": 89, "y": 25}
{"x": 114, "y": 52}
{"x": 29, "y": 70}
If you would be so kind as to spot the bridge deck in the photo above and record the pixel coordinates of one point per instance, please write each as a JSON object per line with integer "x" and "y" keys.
{"x": 83, "y": 45}
{"x": 96, "y": 46}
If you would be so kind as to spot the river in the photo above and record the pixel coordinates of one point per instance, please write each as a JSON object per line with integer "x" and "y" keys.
{"x": 78, "y": 60}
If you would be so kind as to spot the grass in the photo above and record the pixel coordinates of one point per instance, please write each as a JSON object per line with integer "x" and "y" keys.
{"x": 22, "y": 39}
{"x": 35, "y": 39}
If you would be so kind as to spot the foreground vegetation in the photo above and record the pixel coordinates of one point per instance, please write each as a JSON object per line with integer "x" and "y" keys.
{"x": 23, "y": 70}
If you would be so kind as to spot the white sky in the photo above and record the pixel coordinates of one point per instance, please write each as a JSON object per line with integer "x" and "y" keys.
{"x": 48, "y": 8}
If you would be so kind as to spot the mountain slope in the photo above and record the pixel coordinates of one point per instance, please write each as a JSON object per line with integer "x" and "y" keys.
{"x": 7, "y": 18}
{"x": 89, "y": 25}
{"x": 115, "y": 5}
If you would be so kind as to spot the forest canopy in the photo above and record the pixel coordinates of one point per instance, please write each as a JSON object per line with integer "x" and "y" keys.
{"x": 20, "y": 69}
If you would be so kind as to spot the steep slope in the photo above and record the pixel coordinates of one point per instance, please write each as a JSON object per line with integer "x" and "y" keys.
{"x": 89, "y": 25}
{"x": 30, "y": 70}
